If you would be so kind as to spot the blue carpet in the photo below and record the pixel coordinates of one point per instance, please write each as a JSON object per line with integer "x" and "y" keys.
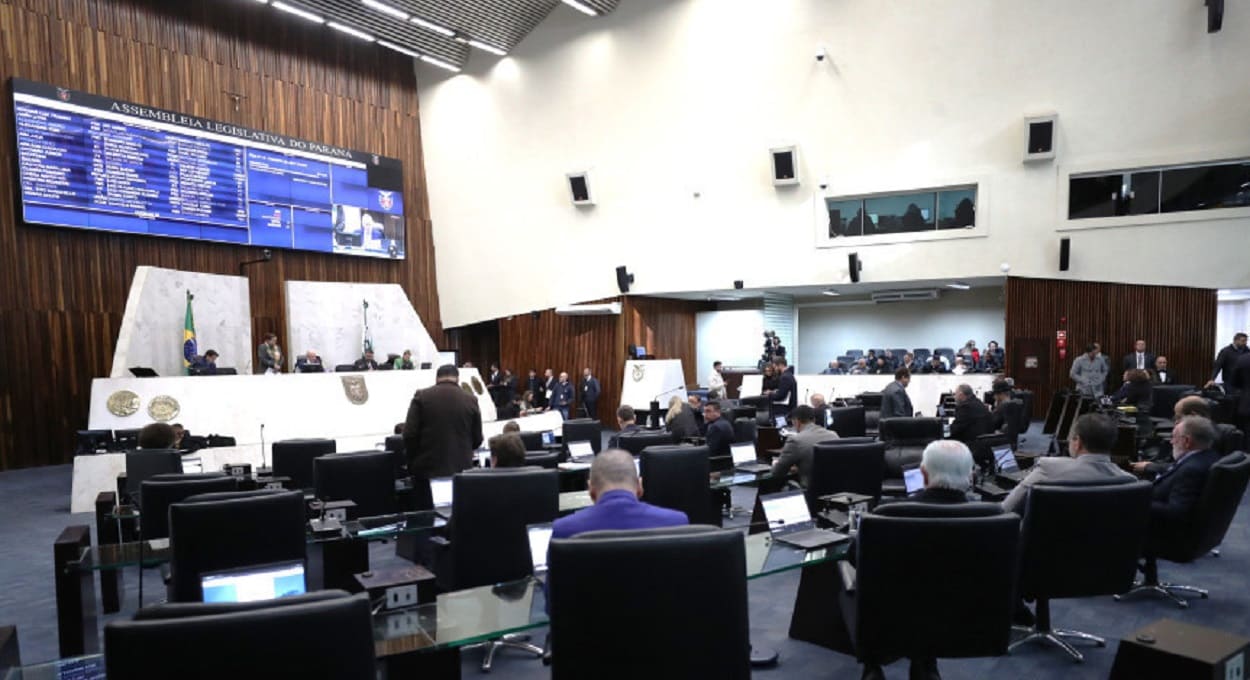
{"x": 37, "y": 500}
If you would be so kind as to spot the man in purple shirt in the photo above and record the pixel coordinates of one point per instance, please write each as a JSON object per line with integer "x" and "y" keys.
{"x": 615, "y": 489}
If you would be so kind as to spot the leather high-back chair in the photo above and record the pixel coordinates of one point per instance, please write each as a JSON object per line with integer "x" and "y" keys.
{"x": 677, "y": 607}
{"x": 294, "y": 458}
{"x": 1012, "y": 409}
{"x": 921, "y": 354}
{"x": 489, "y": 513}
{"x": 905, "y": 439}
{"x": 219, "y": 531}
{"x": 1098, "y": 559}
{"x": 162, "y": 491}
{"x": 543, "y": 459}
{"x": 676, "y": 477}
{"x": 982, "y": 449}
{"x": 583, "y": 429}
{"x": 1026, "y": 409}
{"x": 366, "y": 478}
{"x": 837, "y": 467}
{"x": 744, "y": 430}
{"x": 635, "y": 442}
{"x": 533, "y": 441}
{"x": 946, "y": 352}
{"x": 1217, "y": 505}
{"x": 968, "y": 548}
{"x": 395, "y": 444}
{"x": 1163, "y": 399}
{"x": 848, "y": 421}
{"x": 854, "y": 353}
{"x": 142, "y": 464}
{"x": 318, "y": 635}
{"x": 1228, "y": 439}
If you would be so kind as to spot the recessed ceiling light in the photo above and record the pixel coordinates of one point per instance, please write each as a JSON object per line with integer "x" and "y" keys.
{"x": 958, "y": 285}
{"x": 355, "y": 33}
{"x": 830, "y": 292}
{"x": 303, "y": 14}
{"x": 386, "y": 9}
{"x": 440, "y": 63}
{"x": 581, "y": 7}
{"x": 433, "y": 26}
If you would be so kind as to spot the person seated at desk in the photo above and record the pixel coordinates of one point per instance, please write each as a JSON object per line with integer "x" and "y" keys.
{"x": 797, "y": 452}
{"x": 835, "y": 368}
{"x": 1178, "y": 488}
{"x": 1136, "y": 390}
{"x": 404, "y": 362}
{"x": 309, "y": 363}
{"x": 680, "y": 419}
{"x": 1161, "y": 375}
{"x": 1089, "y": 443}
{"x": 180, "y": 434}
{"x": 205, "y": 365}
{"x": 527, "y": 405}
{"x": 157, "y": 436}
{"x": 507, "y": 450}
{"x": 860, "y": 367}
{"x": 616, "y": 489}
{"x": 972, "y": 416}
{"x": 719, "y": 433}
{"x": 935, "y": 365}
{"x": 993, "y": 358}
{"x": 769, "y": 382}
{"x": 1002, "y": 394}
{"x": 821, "y": 408}
{"x": 625, "y": 422}
{"x": 366, "y": 362}
{"x": 696, "y": 409}
{"x": 1193, "y": 405}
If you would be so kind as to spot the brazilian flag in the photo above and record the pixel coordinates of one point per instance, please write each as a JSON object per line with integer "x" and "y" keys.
{"x": 188, "y": 337}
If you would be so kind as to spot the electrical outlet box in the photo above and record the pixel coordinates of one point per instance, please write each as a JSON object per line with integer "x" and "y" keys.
{"x": 273, "y": 485}
{"x": 339, "y": 514}
{"x": 399, "y": 597}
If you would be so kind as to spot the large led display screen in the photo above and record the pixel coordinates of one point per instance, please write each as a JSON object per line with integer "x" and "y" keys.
{"x": 91, "y": 162}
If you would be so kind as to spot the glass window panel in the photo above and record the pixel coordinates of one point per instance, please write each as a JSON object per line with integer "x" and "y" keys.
{"x": 957, "y": 208}
{"x": 1206, "y": 188}
{"x": 900, "y": 213}
{"x": 1094, "y": 196}
{"x": 845, "y": 217}
{"x": 1144, "y": 199}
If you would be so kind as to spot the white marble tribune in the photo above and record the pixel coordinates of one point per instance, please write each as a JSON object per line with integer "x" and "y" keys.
{"x": 924, "y": 390}
{"x": 328, "y": 317}
{"x": 152, "y": 325}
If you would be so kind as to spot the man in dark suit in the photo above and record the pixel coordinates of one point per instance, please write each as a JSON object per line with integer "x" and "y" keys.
{"x": 909, "y": 362}
{"x": 625, "y": 422}
{"x": 534, "y": 385}
{"x": 545, "y": 391}
{"x": 496, "y": 376}
{"x": 1160, "y": 375}
{"x": 443, "y": 429}
{"x": 786, "y": 396}
{"x": 205, "y": 365}
{"x": 972, "y": 416}
{"x": 1177, "y": 488}
{"x": 799, "y": 448}
{"x": 590, "y": 393}
{"x": 1241, "y": 383}
{"x": 1139, "y": 358}
{"x": 720, "y": 434}
{"x": 1227, "y": 359}
{"x": 894, "y": 400}
{"x": 562, "y": 396}
{"x": 935, "y": 365}
{"x": 366, "y": 362}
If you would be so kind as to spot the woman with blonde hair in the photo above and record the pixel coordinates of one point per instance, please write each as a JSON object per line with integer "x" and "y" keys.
{"x": 680, "y": 419}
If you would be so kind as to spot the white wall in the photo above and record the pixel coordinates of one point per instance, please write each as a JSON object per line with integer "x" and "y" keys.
{"x": 665, "y": 98}
{"x": 826, "y": 332}
{"x": 327, "y": 317}
{"x": 734, "y": 337}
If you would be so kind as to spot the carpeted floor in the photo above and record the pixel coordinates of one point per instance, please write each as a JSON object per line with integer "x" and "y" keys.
{"x": 37, "y": 502}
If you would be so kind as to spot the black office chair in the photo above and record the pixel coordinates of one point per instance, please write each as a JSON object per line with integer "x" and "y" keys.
{"x": 744, "y": 430}
{"x": 1012, "y": 410}
{"x": 294, "y": 458}
{"x": 489, "y": 543}
{"x": 318, "y": 635}
{"x": 1163, "y": 399}
{"x": 366, "y": 478}
{"x": 1079, "y": 541}
{"x": 921, "y": 354}
{"x": 218, "y": 531}
{"x": 854, "y": 353}
{"x": 837, "y": 467}
{"x": 1226, "y": 484}
{"x": 542, "y": 459}
{"x": 905, "y": 440}
{"x": 970, "y": 549}
{"x": 143, "y": 464}
{"x": 848, "y": 421}
{"x": 676, "y": 607}
{"x": 161, "y": 491}
{"x": 676, "y": 477}
{"x": 635, "y": 442}
{"x": 982, "y": 449}
{"x": 582, "y": 430}
{"x": 533, "y": 441}
{"x": 1228, "y": 439}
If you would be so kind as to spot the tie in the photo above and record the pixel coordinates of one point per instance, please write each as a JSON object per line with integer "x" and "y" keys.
{"x": 1141, "y": 362}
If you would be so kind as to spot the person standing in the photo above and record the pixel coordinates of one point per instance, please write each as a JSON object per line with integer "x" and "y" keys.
{"x": 786, "y": 396}
{"x": 1241, "y": 382}
{"x": 715, "y": 382}
{"x": 443, "y": 428}
{"x": 1089, "y": 371}
{"x": 1139, "y": 359}
{"x": 269, "y": 355}
{"x": 894, "y": 400}
{"x": 590, "y": 394}
{"x": 549, "y": 386}
{"x": 534, "y": 386}
{"x": 562, "y": 396}
{"x": 1227, "y": 358}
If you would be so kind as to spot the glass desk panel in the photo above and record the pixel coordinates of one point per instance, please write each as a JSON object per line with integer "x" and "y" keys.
{"x": 728, "y": 478}
{"x": 78, "y": 668}
{"x": 111, "y": 556}
{"x": 766, "y": 557}
{"x": 388, "y": 527}
{"x": 461, "y": 618}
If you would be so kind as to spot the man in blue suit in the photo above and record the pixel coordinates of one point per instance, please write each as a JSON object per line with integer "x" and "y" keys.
{"x": 562, "y": 396}
{"x": 1177, "y": 488}
{"x": 615, "y": 489}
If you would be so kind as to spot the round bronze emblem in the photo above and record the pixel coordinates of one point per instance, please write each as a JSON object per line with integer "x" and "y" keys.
{"x": 123, "y": 403}
{"x": 163, "y": 408}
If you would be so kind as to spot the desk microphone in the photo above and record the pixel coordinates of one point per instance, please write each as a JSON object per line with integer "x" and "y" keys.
{"x": 668, "y": 391}
{"x": 262, "y": 445}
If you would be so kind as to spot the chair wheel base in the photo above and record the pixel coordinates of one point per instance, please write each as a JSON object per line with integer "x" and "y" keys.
{"x": 764, "y": 658}
{"x": 1056, "y": 637}
{"x": 1165, "y": 590}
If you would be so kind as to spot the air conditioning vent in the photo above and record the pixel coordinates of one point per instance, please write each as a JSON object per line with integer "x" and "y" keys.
{"x": 905, "y": 295}
{"x": 597, "y": 309}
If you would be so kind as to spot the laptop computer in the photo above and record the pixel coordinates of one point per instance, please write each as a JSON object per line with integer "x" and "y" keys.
{"x": 1005, "y": 465}
{"x": 745, "y": 459}
{"x": 440, "y": 491}
{"x": 780, "y": 422}
{"x": 539, "y": 538}
{"x": 581, "y": 451}
{"x": 790, "y": 522}
{"x": 251, "y": 584}
{"x": 913, "y": 478}
{"x": 549, "y": 438}
{"x": 142, "y": 372}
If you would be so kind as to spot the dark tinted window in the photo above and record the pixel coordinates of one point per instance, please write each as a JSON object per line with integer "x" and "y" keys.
{"x": 1143, "y": 198}
{"x": 1094, "y": 196}
{"x": 900, "y": 213}
{"x": 957, "y": 208}
{"x": 845, "y": 217}
{"x": 1205, "y": 188}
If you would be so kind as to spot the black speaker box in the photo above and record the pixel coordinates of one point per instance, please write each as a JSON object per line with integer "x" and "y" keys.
{"x": 1065, "y": 251}
{"x": 623, "y": 279}
{"x": 1215, "y": 15}
{"x": 853, "y": 266}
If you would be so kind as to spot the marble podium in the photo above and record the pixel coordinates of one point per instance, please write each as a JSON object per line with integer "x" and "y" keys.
{"x": 655, "y": 380}
{"x": 924, "y": 390}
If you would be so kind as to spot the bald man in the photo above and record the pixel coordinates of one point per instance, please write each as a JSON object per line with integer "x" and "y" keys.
{"x": 615, "y": 488}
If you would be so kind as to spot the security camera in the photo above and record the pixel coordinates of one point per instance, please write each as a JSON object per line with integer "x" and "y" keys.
{"x": 267, "y": 254}
{"x": 824, "y": 183}
{"x": 821, "y": 53}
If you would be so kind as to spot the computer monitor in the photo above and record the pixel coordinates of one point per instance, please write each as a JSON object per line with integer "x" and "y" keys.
{"x": 125, "y": 440}
{"x": 250, "y": 584}
{"x": 549, "y": 437}
{"x": 640, "y": 351}
{"x": 440, "y": 491}
{"x": 780, "y": 422}
{"x": 580, "y": 450}
{"x": 743, "y": 453}
{"x": 1005, "y": 459}
{"x": 913, "y": 478}
{"x": 539, "y": 538}
{"x": 90, "y": 441}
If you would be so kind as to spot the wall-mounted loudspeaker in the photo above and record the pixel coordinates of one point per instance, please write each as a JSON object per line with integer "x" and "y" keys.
{"x": 623, "y": 279}
{"x": 1039, "y": 138}
{"x": 1215, "y": 15}
{"x": 854, "y": 266}
{"x": 1065, "y": 251}
{"x": 579, "y": 188}
{"x": 785, "y": 165}
{"x": 738, "y": 284}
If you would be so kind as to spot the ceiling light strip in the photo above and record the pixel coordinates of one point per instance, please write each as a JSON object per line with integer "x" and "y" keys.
{"x": 355, "y": 33}
{"x": 433, "y": 26}
{"x": 581, "y": 7}
{"x": 303, "y": 14}
{"x": 386, "y": 9}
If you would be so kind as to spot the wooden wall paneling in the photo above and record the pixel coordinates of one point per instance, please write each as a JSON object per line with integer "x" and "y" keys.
{"x": 63, "y": 291}
{"x": 1176, "y": 322}
{"x": 666, "y": 327}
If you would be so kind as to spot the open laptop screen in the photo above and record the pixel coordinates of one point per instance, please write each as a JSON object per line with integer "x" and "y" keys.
{"x": 440, "y": 491}
{"x": 742, "y": 453}
{"x": 266, "y": 582}
{"x": 540, "y": 538}
{"x": 784, "y": 510}
{"x": 780, "y": 421}
{"x": 580, "y": 450}
{"x": 913, "y": 478}
{"x": 549, "y": 437}
{"x": 1005, "y": 459}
